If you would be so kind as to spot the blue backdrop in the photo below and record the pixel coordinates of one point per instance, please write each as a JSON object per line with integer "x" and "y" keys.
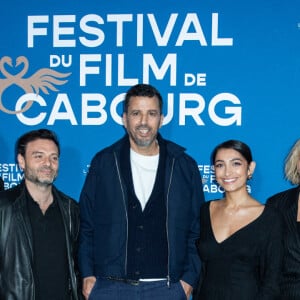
{"x": 226, "y": 70}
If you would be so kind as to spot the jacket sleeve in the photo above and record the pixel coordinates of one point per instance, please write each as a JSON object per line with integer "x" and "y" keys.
{"x": 193, "y": 264}
{"x": 76, "y": 226}
{"x": 86, "y": 236}
{"x": 271, "y": 260}
{"x": 1, "y": 184}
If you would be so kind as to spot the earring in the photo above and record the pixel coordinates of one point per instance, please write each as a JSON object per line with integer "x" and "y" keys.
{"x": 250, "y": 176}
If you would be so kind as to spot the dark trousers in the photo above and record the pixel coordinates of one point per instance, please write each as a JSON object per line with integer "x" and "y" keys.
{"x": 157, "y": 290}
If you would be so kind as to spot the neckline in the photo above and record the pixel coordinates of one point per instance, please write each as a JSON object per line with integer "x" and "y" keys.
{"x": 237, "y": 231}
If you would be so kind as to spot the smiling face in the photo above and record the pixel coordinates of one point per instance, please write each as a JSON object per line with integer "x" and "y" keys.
{"x": 142, "y": 121}
{"x": 40, "y": 162}
{"x": 232, "y": 170}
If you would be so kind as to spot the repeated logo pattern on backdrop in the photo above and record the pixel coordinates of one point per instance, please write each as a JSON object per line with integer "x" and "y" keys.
{"x": 225, "y": 70}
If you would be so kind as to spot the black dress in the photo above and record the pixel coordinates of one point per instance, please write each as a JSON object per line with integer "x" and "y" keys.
{"x": 246, "y": 265}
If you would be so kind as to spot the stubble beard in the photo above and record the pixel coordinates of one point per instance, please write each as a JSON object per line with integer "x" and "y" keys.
{"x": 36, "y": 179}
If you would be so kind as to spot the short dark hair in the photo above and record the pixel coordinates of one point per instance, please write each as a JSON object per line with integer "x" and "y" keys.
{"x": 145, "y": 90}
{"x": 33, "y": 135}
{"x": 236, "y": 145}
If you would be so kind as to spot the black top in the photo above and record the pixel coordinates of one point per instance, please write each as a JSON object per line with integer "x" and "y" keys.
{"x": 246, "y": 265}
{"x": 50, "y": 252}
{"x": 287, "y": 203}
{"x": 1, "y": 184}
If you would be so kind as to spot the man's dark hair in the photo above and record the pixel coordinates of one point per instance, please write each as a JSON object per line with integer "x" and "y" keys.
{"x": 145, "y": 90}
{"x": 33, "y": 135}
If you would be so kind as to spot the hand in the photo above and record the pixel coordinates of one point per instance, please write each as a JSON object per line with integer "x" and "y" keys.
{"x": 88, "y": 284}
{"x": 187, "y": 289}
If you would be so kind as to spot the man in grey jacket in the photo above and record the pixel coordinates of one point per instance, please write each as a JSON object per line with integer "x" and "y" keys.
{"x": 139, "y": 210}
{"x": 39, "y": 227}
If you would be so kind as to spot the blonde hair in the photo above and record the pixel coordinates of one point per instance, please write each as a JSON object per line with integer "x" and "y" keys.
{"x": 291, "y": 171}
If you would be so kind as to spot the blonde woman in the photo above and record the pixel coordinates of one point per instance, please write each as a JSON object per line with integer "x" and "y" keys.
{"x": 288, "y": 203}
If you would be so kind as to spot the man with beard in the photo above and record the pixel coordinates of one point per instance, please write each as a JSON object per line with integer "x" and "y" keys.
{"x": 39, "y": 227}
{"x": 139, "y": 210}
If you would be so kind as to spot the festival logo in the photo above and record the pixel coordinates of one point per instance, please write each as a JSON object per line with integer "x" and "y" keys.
{"x": 43, "y": 80}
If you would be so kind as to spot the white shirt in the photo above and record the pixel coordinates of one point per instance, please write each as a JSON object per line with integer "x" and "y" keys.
{"x": 144, "y": 169}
